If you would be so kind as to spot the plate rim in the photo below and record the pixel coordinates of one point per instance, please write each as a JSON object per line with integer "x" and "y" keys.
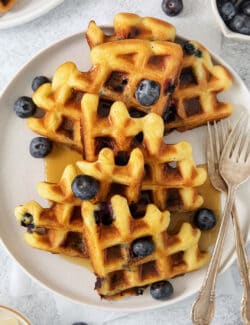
{"x": 28, "y": 17}
{"x": 229, "y": 260}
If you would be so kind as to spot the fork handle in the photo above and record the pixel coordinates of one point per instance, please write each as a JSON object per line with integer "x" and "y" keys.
{"x": 242, "y": 260}
{"x": 203, "y": 307}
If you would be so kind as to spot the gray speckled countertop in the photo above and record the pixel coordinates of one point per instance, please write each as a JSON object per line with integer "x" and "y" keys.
{"x": 18, "y": 45}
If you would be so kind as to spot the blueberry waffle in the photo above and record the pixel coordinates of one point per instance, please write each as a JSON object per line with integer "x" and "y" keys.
{"x": 61, "y": 105}
{"x": 127, "y": 26}
{"x": 6, "y": 5}
{"x": 57, "y": 229}
{"x": 195, "y": 99}
{"x": 140, "y": 73}
{"x": 120, "y": 265}
{"x": 167, "y": 167}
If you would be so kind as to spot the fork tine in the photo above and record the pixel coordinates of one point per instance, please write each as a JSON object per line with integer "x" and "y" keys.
{"x": 245, "y": 153}
{"x": 232, "y": 136}
{"x": 236, "y": 149}
{"x": 217, "y": 141}
{"x": 223, "y": 131}
{"x": 210, "y": 147}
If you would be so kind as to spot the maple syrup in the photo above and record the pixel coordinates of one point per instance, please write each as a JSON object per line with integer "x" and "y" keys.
{"x": 57, "y": 160}
{"x": 85, "y": 262}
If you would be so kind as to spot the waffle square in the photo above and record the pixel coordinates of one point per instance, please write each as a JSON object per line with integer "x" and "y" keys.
{"x": 127, "y": 26}
{"x": 166, "y": 165}
{"x": 61, "y": 107}
{"x": 195, "y": 100}
{"x": 57, "y": 229}
{"x": 112, "y": 178}
{"x": 118, "y": 68}
{"x": 109, "y": 248}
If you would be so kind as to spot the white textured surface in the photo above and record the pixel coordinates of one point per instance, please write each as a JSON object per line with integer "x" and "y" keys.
{"x": 17, "y": 46}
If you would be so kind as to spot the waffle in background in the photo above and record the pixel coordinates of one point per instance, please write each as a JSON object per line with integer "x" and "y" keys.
{"x": 195, "y": 100}
{"x": 127, "y": 26}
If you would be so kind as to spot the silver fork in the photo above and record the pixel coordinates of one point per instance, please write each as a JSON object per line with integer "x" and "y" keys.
{"x": 213, "y": 157}
{"x": 234, "y": 167}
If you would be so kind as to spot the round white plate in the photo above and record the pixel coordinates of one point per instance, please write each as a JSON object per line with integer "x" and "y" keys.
{"x": 8, "y": 313}
{"x": 26, "y": 10}
{"x": 20, "y": 173}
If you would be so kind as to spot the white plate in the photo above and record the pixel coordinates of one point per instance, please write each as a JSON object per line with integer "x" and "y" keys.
{"x": 20, "y": 173}
{"x": 8, "y": 313}
{"x": 26, "y": 10}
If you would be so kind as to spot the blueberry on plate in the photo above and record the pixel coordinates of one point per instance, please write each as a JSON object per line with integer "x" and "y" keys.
{"x": 172, "y": 7}
{"x": 204, "y": 219}
{"x": 38, "y": 81}
{"x": 161, "y": 290}
{"x": 40, "y": 147}
{"x": 227, "y": 11}
{"x": 147, "y": 92}
{"x": 84, "y": 187}
{"x": 24, "y": 107}
{"x": 245, "y": 8}
{"x": 142, "y": 247}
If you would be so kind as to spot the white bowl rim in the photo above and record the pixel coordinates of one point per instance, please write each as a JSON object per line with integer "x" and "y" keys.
{"x": 226, "y": 31}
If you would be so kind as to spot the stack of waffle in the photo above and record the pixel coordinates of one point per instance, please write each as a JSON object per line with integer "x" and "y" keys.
{"x": 140, "y": 177}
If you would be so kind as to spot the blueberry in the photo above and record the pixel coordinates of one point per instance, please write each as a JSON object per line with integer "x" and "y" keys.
{"x": 38, "y": 81}
{"x": 245, "y": 8}
{"x": 161, "y": 290}
{"x": 246, "y": 26}
{"x": 204, "y": 219}
{"x": 40, "y": 147}
{"x": 220, "y": 3}
{"x": 147, "y": 92}
{"x": 24, "y": 107}
{"x": 237, "y": 23}
{"x": 142, "y": 247}
{"x": 27, "y": 219}
{"x": 189, "y": 48}
{"x": 104, "y": 214}
{"x": 172, "y": 7}
{"x": 227, "y": 11}
{"x": 84, "y": 187}
{"x": 241, "y": 24}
